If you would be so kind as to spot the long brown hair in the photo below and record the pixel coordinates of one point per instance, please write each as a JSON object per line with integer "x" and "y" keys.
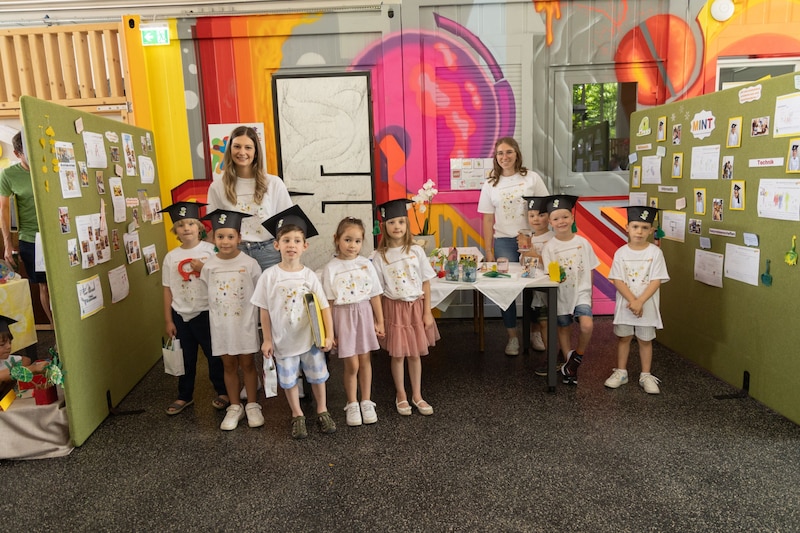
{"x": 256, "y": 167}
{"x": 497, "y": 171}
{"x": 383, "y": 244}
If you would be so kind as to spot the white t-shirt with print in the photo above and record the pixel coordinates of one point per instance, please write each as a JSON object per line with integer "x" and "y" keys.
{"x": 578, "y": 259}
{"x": 637, "y": 268}
{"x": 274, "y": 201}
{"x": 505, "y": 201}
{"x": 402, "y": 274}
{"x": 350, "y": 281}
{"x": 282, "y": 294}
{"x": 190, "y": 295}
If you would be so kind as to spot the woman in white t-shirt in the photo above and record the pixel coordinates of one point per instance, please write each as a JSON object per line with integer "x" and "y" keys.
{"x": 505, "y": 213}
{"x": 246, "y": 187}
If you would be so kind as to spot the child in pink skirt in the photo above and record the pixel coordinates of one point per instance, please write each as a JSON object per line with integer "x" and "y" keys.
{"x": 354, "y": 292}
{"x": 405, "y": 273}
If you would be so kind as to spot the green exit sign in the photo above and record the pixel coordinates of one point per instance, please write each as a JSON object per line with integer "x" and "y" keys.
{"x": 155, "y": 34}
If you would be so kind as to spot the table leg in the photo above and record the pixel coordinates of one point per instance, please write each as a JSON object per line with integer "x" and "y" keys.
{"x": 552, "y": 337}
{"x": 527, "y": 299}
{"x": 478, "y": 296}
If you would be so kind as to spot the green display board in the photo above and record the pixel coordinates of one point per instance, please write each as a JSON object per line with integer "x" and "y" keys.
{"x": 744, "y": 332}
{"x": 75, "y": 159}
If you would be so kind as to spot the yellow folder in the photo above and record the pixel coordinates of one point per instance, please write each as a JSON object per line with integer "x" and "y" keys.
{"x": 315, "y": 319}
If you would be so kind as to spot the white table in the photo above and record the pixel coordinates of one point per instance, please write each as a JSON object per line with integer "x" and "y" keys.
{"x": 504, "y": 292}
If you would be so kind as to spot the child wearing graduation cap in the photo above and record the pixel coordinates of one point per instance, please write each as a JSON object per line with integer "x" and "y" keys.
{"x": 638, "y": 270}
{"x": 186, "y": 303}
{"x": 7, "y": 359}
{"x": 280, "y": 295}
{"x": 539, "y": 223}
{"x": 405, "y": 273}
{"x": 576, "y": 258}
{"x": 231, "y": 277}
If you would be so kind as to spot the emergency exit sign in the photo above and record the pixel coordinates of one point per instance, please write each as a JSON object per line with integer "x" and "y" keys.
{"x": 155, "y": 34}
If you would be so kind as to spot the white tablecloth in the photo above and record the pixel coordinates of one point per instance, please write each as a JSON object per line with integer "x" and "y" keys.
{"x": 502, "y": 291}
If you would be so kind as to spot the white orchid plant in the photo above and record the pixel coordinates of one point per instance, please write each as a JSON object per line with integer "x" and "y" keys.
{"x": 422, "y": 203}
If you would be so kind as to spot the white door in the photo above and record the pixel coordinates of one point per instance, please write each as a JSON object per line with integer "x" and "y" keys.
{"x": 583, "y": 155}
{"x": 324, "y": 133}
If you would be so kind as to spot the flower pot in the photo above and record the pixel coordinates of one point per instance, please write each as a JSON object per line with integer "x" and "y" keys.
{"x": 451, "y": 270}
{"x": 470, "y": 273}
{"x": 428, "y": 242}
{"x": 45, "y": 396}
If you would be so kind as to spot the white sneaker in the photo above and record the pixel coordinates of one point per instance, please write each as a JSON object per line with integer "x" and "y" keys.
{"x": 618, "y": 377}
{"x": 255, "y": 419}
{"x": 353, "y": 414}
{"x": 512, "y": 348}
{"x": 537, "y": 342}
{"x": 233, "y": 414}
{"x": 368, "y": 413}
{"x": 649, "y": 383}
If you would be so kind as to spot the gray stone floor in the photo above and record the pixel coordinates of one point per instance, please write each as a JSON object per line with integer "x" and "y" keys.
{"x": 500, "y": 454}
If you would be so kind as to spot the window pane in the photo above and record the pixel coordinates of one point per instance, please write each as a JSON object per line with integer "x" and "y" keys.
{"x": 601, "y": 115}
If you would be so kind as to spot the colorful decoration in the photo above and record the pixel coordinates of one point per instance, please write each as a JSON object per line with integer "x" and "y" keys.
{"x": 766, "y": 278}
{"x": 791, "y": 256}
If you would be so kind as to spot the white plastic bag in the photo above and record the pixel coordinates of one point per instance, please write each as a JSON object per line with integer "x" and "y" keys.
{"x": 173, "y": 357}
{"x": 270, "y": 378}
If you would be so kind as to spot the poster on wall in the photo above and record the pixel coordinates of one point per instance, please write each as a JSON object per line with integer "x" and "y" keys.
{"x": 218, "y": 143}
{"x": 467, "y": 174}
{"x": 779, "y": 199}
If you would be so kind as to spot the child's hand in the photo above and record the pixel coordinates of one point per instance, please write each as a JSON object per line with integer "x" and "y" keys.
{"x": 636, "y": 308}
{"x": 197, "y": 265}
{"x": 266, "y": 348}
{"x": 427, "y": 318}
{"x": 171, "y": 329}
{"x": 328, "y": 344}
{"x": 379, "y": 331}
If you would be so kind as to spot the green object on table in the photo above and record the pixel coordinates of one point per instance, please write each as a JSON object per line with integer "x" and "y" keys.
{"x": 495, "y": 274}
{"x": 766, "y": 278}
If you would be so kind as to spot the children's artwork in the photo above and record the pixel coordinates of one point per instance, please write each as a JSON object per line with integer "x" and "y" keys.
{"x": 100, "y": 180}
{"x": 661, "y": 132}
{"x": 637, "y": 198}
{"x": 759, "y": 126}
{"x": 673, "y": 223}
{"x": 118, "y": 281}
{"x": 150, "y": 259}
{"x": 793, "y": 159}
{"x": 117, "y": 199}
{"x": 132, "y": 249}
{"x": 84, "y": 173}
{"x": 677, "y": 165}
{"x": 695, "y": 226}
{"x": 155, "y": 207}
{"x": 787, "y": 115}
{"x": 734, "y": 130}
{"x": 699, "y": 201}
{"x": 651, "y": 170}
{"x": 741, "y": 263}
{"x": 63, "y": 219}
{"x": 129, "y": 153}
{"x": 95, "y": 150}
{"x": 708, "y": 267}
{"x": 69, "y": 182}
{"x": 716, "y": 209}
{"x": 737, "y": 195}
{"x": 779, "y": 199}
{"x": 705, "y": 162}
{"x": 72, "y": 252}
{"x": 727, "y": 167}
{"x": 676, "y": 134}
{"x": 636, "y": 179}
{"x": 90, "y": 296}
{"x": 147, "y": 169}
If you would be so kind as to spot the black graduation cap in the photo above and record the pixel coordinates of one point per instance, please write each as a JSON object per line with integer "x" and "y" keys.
{"x": 642, "y": 213}
{"x": 536, "y": 203}
{"x": 181, "y": 210}
{"x": 222, "y": 218}
{"x": 5, "y": 322}
{"x": 394, "y": 208}
{"x": 294, "y": 215}
{"x": 561, "y": 201}
{"x": 794, "y": 147}
{"x": 737, "y": 187}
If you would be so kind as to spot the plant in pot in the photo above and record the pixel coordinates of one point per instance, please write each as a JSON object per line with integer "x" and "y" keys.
{"x": 422, "y": 203}
{"x": 469, "y": 267}
{"x": 44, "y": 384}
